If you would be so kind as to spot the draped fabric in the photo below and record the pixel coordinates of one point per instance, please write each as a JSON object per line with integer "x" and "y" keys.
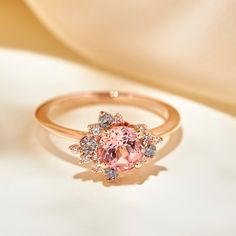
{"x": 183, "y": 46}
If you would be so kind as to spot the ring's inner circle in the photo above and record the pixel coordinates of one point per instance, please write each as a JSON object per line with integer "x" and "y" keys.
{"x": 79, "y": 117}
{"x": 47, "y": 112}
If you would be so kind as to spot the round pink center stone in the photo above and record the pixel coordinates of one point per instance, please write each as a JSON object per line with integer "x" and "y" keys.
{"x": 120, "y": 148}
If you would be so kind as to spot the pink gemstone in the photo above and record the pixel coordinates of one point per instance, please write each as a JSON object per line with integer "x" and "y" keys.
{"x": 120, "y": 148}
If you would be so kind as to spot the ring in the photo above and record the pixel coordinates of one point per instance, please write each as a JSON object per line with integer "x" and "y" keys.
{"x": 112, "y": 145}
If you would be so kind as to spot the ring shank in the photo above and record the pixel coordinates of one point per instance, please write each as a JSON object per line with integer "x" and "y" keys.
{"x": 169, "y": 114}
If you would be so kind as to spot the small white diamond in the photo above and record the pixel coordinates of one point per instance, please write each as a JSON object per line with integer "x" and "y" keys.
{"x": 147, "y": 138}
{"x": 84, "y": 141}
{"x": 105, "y": 119}
{"x": 84, "y": 158}
{"x": 111, "y": 174}
{"x": 95, "y": 157}
{"x": 150, "y": 151}
{"x": 118, "y": 118}
{"x": 142, "y": 127}
{"x": 97, "y": 168}
{"x": 74, "y": 148}
{"x": 88, "y": 145}
{"x": 157, "y": 139}
{"x": 92, "y": 145}
{"x": 94, "y": 129}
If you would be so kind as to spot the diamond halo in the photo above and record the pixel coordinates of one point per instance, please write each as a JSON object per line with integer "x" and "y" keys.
{"x": 113, "y": 145}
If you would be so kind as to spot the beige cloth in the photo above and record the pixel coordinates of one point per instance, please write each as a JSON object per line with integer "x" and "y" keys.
{"x": 182, "y": 46}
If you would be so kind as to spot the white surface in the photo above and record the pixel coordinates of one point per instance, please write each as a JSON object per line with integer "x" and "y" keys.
{"x": 40, "y": 194}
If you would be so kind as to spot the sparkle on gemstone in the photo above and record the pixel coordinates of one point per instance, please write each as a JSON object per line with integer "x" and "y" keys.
{"x": 88, "y": 145}
{"x": 92, "y": 145}
{"x": 118, "y": 118}
{"x": 94, "y": 129}
{"x": 119, "y": 148}
{"x": 105, "y": 119}
{"x": 84, "y": 158}
{"x": 147, "y": 137}
{"x": 97, "y": 168}
{"x": 111, "y": 173}
{"x": 150, "y": 150}
{"x": 84, "y": 141}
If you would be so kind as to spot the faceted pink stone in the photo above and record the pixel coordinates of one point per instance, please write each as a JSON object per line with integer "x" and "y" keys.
{"x": 120, "y": 148}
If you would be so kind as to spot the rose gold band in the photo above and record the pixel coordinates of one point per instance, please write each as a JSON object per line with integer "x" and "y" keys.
{"x": 169, "y": 114}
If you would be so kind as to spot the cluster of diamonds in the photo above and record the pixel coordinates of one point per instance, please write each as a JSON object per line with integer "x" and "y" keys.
{"x": 113, "y": 145}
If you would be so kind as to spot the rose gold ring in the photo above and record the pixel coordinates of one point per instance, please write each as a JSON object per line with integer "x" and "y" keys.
{"x": 112, "y": 145}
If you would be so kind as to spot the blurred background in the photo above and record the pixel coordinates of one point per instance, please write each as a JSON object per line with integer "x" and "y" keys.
{"x": 184, "y": 47}
{"x": 182, "y": 52}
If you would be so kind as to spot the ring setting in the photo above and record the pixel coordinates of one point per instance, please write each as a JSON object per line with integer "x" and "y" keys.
{"x": 114, "y": 146}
